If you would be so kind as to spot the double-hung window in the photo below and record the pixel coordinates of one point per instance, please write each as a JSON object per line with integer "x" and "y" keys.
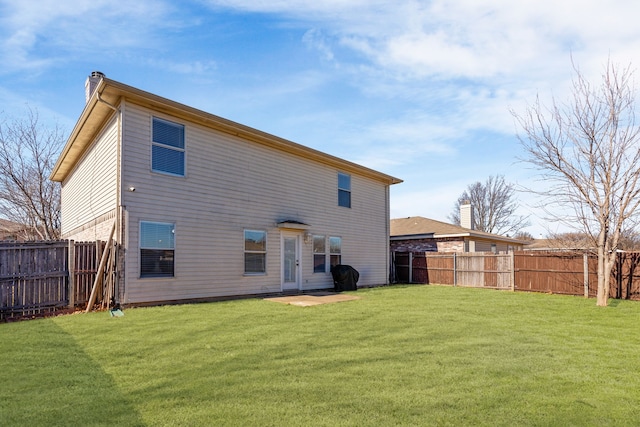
{"x": 319, "y": 254}
{"x": 344, "y": 190}
{"x": 157, "y": 248}
{"x": 255, "y": 252}
{"x": 335, "y": 250}
{"x": 167, "y": 147}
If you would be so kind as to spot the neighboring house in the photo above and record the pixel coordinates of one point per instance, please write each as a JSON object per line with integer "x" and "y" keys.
{"x": 10, "y": 230}
{"x": 561, "y": 244}
{"x": 205, "y": 207}
{"x": 418, "y": 234}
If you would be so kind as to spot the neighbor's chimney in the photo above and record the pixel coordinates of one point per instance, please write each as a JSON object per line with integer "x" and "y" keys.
{"x": 466, "y": 215}
{"x": 91, "y": 84}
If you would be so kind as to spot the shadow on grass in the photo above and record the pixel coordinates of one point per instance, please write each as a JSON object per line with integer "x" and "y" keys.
{"x": 48, "y": 379}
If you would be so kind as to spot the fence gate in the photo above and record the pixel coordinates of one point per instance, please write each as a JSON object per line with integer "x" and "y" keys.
{"x": 33, "y": 277}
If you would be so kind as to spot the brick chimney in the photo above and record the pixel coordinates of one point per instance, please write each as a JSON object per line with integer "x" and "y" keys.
{"x": 91, "y": 83}
{"x": 466, "y": 215}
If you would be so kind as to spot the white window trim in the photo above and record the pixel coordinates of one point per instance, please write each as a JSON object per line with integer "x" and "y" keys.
{"x": 245, "y": 251}
{"x": 325, "y": 253}
{"x": 140, "y": 247}
{"x": 335, "y": 253}
{"x": 169, "y": 147}
{"x": 348, "y": 190}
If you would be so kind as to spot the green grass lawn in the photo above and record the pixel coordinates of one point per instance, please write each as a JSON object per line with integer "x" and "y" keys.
{"x": 402, "y": 355}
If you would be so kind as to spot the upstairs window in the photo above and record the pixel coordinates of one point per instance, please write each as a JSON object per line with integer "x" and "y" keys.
{"x": 344, "y": 190}
{"x": 157, "y": 247}
{"x": 319, "y": 254}
{"x": 335, "y": 250}
{"x": 255, "y": 252}
{"x": 167, "y": 147}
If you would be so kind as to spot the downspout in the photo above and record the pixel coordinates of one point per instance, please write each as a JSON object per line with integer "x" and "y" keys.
{"x": 388, "y": 231}
{"x": 119, "y": 229}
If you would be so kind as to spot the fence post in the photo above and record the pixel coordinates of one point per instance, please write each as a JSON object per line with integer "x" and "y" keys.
{"x": 103, "y": 262}
{"x": 410, "y": 267}
{"x": 392, "y": 267}
{"x": 585, "y": 267}
{"x": 71, "y": 265}
{"x": 513, "y": 270}
{"x": 455, "y": 272}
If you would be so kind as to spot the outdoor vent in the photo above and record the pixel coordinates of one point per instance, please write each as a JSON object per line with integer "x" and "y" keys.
{"x": 91, "y": 84}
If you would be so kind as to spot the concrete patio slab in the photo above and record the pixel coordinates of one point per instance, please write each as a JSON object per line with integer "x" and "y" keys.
{"x": 311, "y": 300}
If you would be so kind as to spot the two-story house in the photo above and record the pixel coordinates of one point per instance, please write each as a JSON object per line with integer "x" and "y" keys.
{"x": 204, "y": 207}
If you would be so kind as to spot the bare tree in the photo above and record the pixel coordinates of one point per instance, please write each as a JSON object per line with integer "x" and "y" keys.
{"x": 28, "y": 152}
{"x": 588, "y": 151}
{"x": 494, "y": 203}
{"x": 524, "y": 235}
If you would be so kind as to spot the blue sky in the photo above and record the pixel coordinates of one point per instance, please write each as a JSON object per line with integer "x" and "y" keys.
{"x": 420, "y": 90}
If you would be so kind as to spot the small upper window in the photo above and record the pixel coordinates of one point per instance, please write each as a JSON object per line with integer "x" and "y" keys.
{"x": 344, "y": 190}
{"x": 167, "y": 148}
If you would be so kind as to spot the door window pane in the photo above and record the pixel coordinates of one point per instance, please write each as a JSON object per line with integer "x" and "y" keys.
{"x": 289, "y": 259}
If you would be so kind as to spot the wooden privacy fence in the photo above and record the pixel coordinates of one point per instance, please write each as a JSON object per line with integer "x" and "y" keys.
{"x": 37, "y": 278}
{"x": 571, "y": 273}
{"x": 476, "y": 269}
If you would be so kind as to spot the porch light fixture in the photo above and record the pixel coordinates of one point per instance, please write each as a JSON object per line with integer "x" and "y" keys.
{"x": 307, "y": 236}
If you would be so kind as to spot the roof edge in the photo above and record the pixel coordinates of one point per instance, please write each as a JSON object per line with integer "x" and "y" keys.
{"x": 116, "y": 91}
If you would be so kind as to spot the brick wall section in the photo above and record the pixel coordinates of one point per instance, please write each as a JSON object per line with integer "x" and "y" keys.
{"x": 98, "y": 232}
{"x": 428, "y": 245}
{"x": 98, "y": 229}
{"x": 451, "y": 245}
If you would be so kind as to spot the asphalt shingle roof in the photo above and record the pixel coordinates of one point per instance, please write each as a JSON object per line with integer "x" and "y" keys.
{"x": 417, "y": 225}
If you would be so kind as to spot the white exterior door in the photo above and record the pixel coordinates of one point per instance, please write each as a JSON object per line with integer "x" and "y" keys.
{"x": 290, "y": 261}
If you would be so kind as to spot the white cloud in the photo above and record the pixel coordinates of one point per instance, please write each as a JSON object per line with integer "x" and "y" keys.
{"x": 428, "y": 200}
{"x": 468, "y": 38}
{"x": 435, "y": 72}
{"x": 31, "y": 30}
{"x": 316, "y": 40}
{"x": 195, "y": 68}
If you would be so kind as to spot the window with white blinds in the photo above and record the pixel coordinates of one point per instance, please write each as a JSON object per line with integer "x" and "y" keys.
{"x": 167, "y": 147}
{"x": 255, "y": 252}
{"x": 157, "y": 246}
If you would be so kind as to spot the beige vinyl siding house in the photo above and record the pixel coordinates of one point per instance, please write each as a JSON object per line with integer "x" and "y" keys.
{"x": 239, "y": 215}
{"x": 90, "y": 197}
